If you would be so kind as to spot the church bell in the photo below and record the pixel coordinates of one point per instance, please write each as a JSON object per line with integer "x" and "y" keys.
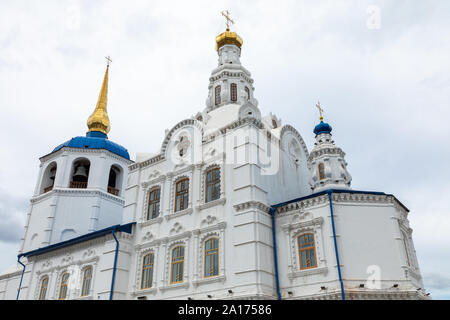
{"x": 80, "y": 174}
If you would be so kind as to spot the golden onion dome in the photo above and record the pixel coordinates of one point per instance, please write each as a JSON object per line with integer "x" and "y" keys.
{"x": 228, "y": 37}
{"x": 99, "y": 120}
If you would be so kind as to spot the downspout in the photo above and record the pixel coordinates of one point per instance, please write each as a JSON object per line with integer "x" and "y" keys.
{"x": 115, "y": 265}
{"x": 21, "y": 278}
{"x": 329, "y": 192}
{"x": 272, "y": 214}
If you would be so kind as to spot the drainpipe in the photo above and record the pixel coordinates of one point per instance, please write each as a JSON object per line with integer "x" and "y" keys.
{"x": 115, "y": 265}
{"x": 329, "y": 192}
{"x": 21, "y": 278}
{"x": 272, "y": 214}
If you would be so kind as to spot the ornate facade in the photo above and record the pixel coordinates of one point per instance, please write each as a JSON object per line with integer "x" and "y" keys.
{"x": 233, "y": 206}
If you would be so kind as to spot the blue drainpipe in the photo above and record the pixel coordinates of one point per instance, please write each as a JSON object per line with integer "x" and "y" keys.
{"x": 272, "y": 214}
{"x": 21, "y": 278}
{"x": 329, "y": 192}
{"x": 115, "y": 265}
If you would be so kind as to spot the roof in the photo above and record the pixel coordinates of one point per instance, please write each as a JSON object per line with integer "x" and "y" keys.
{"x": 96, "y": 234}
{"x": 313, "y": 195}
{"x": 95, "y": 140}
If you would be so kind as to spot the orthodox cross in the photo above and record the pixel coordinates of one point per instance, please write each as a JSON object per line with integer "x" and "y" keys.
{"x": 108, "y": 58}
{"x": 226, "y": 14}
{"x": 320, "y": 110}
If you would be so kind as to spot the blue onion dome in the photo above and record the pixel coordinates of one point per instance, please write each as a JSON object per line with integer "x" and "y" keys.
{"x": 95, "y": 140}
{"x": 322, "y": 127}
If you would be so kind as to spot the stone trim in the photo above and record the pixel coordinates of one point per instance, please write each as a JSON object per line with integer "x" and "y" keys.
{"x": 252, "y": 205}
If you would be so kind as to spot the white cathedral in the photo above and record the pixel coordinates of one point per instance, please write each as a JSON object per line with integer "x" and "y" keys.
{"x": 233, "y": 206}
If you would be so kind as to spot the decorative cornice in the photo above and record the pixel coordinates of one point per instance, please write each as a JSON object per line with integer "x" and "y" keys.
{"x": 326, "y": 151}
{"x": 81, "y": 192}
{"x": 252, "y": 205}
{"x": 53, "y": 155}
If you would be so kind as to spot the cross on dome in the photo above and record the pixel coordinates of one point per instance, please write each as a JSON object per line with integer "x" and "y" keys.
{"x": 226, "y": 14}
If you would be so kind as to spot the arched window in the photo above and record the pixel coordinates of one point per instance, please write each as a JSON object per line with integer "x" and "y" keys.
{"x": 87, "y": 279}
{"x": 153, "y": 203}
{"x": 247, "y": 90}
{"x": 43, "y": 288}
{"x": 181, "y": 194}
{"x": 217, "y": 95}
{"x": 147, "y": 271}
{"x": 63, "y": 286}
{"x": 211, "y": 257}
{"x": 307, "y": 251}
{"x": 176, "y": 274}
{"x": 48, "y": 179}
{"x": 212, "y": 184}
{"x": 233, "y": 92}
{"x": 80, "y": 174}
{"x": 114, "y": 180}
{"x": 321, "y": 171}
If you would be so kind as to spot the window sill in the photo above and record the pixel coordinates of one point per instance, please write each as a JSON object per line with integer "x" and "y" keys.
{"x": 209, "y": 280}
{"x": 84, "y": 298}
{"x": 145, "y": 291}
{"x": 179, "y": 214}
{"x": 308, "y": 272}
{"x": 151, "y": 221}
{"x": 210, "y": 204}
{"x": 175, "y": 286}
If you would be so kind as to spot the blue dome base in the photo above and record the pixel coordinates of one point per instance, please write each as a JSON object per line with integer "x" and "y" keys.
{"x": 95, "y": 140}
{"x": 322, "y": 127}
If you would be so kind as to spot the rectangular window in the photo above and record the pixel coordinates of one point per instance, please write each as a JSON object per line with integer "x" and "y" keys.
{"x": 307, "y": 251}
{"x": 217, "y": 95}
{"x": 153, "y": 204}
{"x": 181, "y": 195}
{"x": 177, "y": 265}
{"x": 233, "y": 89}
{"x": 211, "y": 257}
{"x": 212, "y": 185}
{"x": 147, "y": 271}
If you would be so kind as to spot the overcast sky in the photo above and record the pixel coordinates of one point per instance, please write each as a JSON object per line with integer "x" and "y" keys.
{"x": 381, "y": 70}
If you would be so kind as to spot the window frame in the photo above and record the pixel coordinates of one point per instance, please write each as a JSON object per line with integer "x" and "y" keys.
{"x": 233, "y": 92}
{"x": 151, "y": 202}
{"x": 214, "y": 183}
{"x": 210, "y": 253}
{"x": 86, "y": 282}
{"x": 321, "y": 171}
{"x": 217, "y": 97}
{"x": 41, "y": 287}
{"x": 63, "y": 284}
{"x": 182, "y": 194}
{"x": 175, "y": 261}
{"x": 247, "y": 90}
{"x": 144, "y": 269}
{"x": 310, "y": 248}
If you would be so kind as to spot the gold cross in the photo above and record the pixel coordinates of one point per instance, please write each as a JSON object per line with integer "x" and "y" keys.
{"x": 226, "y": 14}
{"x": 108, "y": 58}
{"x": 320, "y": 110}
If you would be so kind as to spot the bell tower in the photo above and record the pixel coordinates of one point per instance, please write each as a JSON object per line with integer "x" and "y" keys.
{"x": 81, "y": 184}
{"x": 326, "y": 162}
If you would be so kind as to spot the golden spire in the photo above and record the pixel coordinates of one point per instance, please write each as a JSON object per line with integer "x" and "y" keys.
{"x": 99, "y": 121}
{"x": 228, "y": 37}
{"x": 320, "y": 110}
